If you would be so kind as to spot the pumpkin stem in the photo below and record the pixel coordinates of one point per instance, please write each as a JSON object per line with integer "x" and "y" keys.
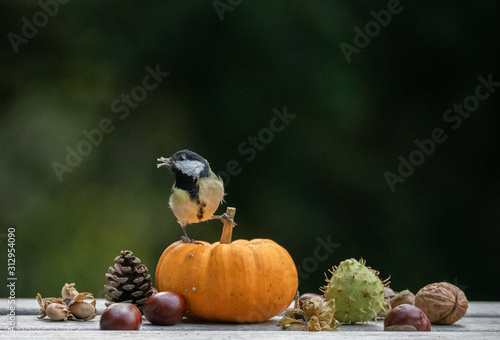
{"x": 227, "y": 231}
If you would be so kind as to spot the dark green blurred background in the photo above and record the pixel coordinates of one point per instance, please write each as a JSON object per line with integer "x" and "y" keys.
{"x": 320, "y": 177}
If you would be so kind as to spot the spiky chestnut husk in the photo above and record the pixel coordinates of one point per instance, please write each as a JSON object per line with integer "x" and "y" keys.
{"x": 357, "y": 290}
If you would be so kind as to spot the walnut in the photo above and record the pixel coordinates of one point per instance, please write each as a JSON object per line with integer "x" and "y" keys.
{"x": 442, "y": 302}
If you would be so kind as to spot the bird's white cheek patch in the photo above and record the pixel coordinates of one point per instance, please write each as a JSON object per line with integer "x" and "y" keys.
{"x": 191, "y": 168}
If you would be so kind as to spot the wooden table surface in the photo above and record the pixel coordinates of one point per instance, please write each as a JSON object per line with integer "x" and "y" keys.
{"x": 482, "y": 321}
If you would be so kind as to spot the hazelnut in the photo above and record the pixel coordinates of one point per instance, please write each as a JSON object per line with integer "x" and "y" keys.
{"x": 403, "y": 297}
{"x": 406, "y": 318}
{"x": 83, "y": 310}
{"x": 309, "y": 296}
{"x": 442, "y": 302}
{"x": 389, "y": 293}
{"x": 57, "y": 311}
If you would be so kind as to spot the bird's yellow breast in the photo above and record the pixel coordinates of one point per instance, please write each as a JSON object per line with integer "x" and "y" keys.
{"x": 188, "y": 209}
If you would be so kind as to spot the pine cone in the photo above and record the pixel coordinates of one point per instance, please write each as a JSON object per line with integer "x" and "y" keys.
{"x": 129, "y": 281}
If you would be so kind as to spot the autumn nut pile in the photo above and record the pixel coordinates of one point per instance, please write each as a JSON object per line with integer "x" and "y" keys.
{"x": 442, "y": 302}
{"x": 70, "y": 306}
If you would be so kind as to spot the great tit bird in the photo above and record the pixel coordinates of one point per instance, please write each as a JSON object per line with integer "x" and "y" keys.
{"x": 197, "y": 191}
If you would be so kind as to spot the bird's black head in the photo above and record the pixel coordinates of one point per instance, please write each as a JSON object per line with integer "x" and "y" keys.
{"x": 187, "y": 163}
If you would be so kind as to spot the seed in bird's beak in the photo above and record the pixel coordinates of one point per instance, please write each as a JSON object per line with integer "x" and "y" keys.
{"x": 165, "y": 162}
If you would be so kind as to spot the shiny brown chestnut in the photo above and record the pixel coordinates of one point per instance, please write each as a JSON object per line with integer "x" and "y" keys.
{"x": 164, "y": 308}
{"x": 121, "y": 316}
{"x": 406, "y": 317}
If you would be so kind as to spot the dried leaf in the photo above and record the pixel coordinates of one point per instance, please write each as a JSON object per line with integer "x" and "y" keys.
{"x": 327, "y": 312}
{"x": 313, "y": 324}
{"x": 69, "y": 291}
{"x": 285, "y": 320}
{"x": 295, "y": 313}
{"x": 325, "y": 326}
{"x": 312, "y": 307}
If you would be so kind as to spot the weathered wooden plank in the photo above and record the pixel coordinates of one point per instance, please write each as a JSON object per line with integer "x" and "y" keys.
{"x": 30, "y": 307}
{"x": 483, "y": 309}
{"x": 248, "y": 335}
{"x": 481, "y": 322}
{"x": 31, "y": 323}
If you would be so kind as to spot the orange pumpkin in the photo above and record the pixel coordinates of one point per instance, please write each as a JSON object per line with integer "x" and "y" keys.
{"x": 241, "y": 281}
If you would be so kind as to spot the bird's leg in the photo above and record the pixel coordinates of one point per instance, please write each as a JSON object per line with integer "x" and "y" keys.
{"x": 185, "y": 237}
{"x": 223, "y": 217}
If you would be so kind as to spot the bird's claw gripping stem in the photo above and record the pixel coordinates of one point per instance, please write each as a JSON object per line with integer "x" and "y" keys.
{"x": 223, "y": 217}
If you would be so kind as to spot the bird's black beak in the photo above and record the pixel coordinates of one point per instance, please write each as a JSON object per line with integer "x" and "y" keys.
{"x": 165, "y": 162}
